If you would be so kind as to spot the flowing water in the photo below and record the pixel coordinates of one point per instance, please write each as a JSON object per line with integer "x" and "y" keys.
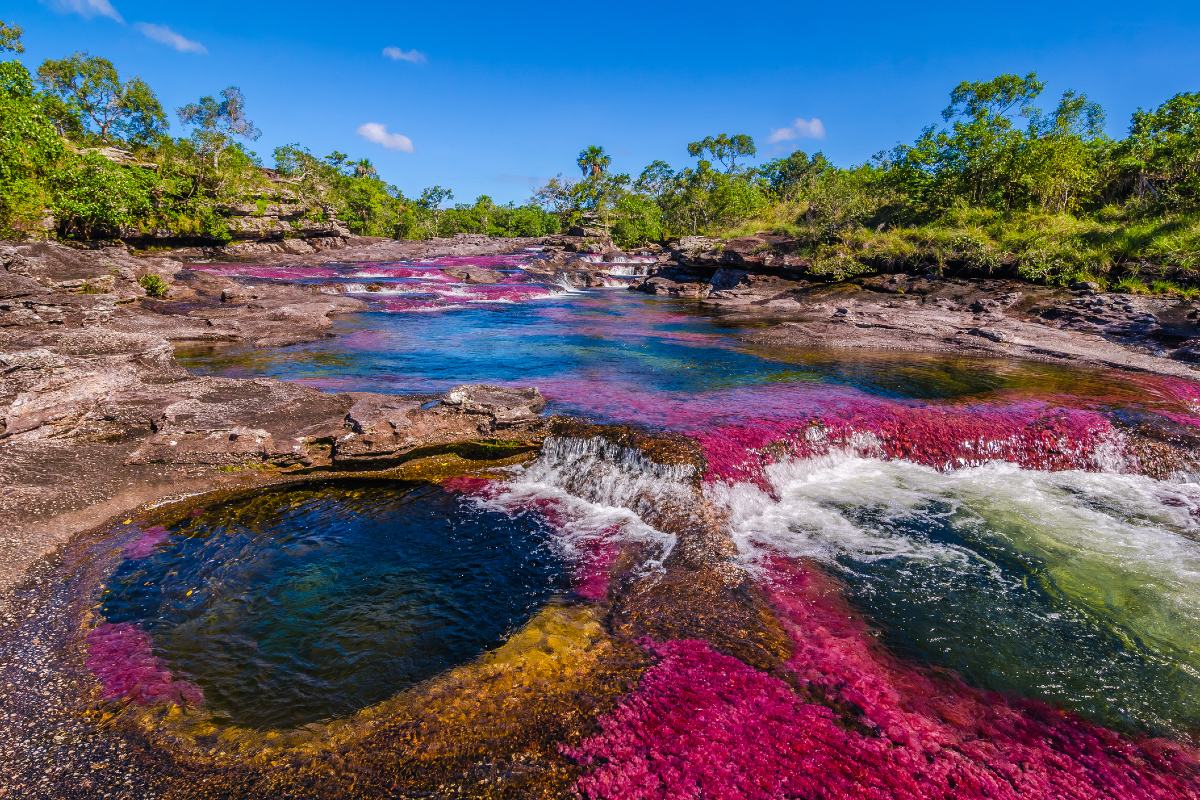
{"x": 992, "y": 520}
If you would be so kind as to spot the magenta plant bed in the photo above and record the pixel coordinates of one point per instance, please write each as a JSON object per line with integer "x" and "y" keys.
{"x": 405, "y": 287}
{"x": 851, "y": 721}
{"x": 120, "y": 656}
{"x": 1030, "y": 434}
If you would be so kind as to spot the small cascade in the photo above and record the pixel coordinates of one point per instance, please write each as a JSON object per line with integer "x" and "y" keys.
{"x": 595, "y": 489}
{"x": 629, "y": 270}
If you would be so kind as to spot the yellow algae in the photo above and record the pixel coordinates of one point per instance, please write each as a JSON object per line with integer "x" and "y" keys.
{"x": 514, "y": 705}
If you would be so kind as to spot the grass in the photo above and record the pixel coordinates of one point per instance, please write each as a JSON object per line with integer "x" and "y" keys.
{"x": 1113, "y": 247}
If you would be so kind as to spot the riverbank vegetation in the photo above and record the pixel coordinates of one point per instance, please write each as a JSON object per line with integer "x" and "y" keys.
{"x": 1008, "y": 182}
{"x": 85, "y": 154}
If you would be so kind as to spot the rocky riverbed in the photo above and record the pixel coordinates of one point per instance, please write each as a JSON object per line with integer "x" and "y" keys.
{"x": 96, "y": 417}
{"x": 100, "y": 426}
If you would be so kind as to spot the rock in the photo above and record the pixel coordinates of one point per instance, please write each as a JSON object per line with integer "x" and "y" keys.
{"x": 15, "y": 286}
{"x": 662, "y": 285}
{"x": 1189, "y": 351}
{"x": 584, "y": 232}
{"x": 691, "y": 248}
{"x": 725, "y": 279}
{"x": 384, "y": 430}
{"x": 473, "y": 274}
{"x": 989, "y": 334}
{"x": 1085, "y": 286}
{"x": 504, "y": 406}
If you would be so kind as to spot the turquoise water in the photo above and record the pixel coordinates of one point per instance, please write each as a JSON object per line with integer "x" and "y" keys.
{"x": 303, "y": 604}
{"x": 588, "y": 351}
{"x": 1078, "y": 586}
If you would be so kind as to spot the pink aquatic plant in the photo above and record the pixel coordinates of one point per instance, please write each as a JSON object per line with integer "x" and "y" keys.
{"x": 852, "y": 721}
{"x": 120, "y": 656}
{"x": 146, "y": 543}
{"x": 432, "y": 274}
{"x": 279, "y": 273}
{"x": 1031, "y": 434}
{"x": 593, "y": 571}
{"x": 470, "y": 485}
{"x": 742, "y": 430}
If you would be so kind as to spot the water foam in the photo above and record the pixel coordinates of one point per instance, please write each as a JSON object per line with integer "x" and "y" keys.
{"x": 595, "y": 490}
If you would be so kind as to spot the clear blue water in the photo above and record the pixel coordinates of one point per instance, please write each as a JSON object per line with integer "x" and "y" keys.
{"x": 302, "y": 604}
{"x": 583, "y": 348}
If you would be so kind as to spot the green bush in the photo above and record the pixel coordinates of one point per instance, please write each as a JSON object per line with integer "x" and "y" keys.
{"x": 154, "y": 285}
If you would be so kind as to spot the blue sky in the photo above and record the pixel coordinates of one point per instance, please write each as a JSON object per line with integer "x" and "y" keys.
{"x": 500, "y": 95}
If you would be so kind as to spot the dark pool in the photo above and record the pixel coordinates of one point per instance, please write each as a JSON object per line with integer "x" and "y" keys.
{"x": 301, "y": 604}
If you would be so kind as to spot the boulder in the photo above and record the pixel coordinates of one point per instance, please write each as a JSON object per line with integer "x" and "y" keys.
{"x": 693, "y": 248}
{"x": 504, "y": 407}
{"x": 1189, "y": 351}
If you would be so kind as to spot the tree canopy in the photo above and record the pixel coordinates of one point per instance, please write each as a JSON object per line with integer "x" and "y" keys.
{"x": 89, "y": 97}
{"x": 1007, "y": 178}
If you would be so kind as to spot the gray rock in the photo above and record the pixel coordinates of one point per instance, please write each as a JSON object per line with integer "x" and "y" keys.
{"x": 989, "y": 334}
{"x": 505, "y": 406}
{"x": 1189, "y": 351}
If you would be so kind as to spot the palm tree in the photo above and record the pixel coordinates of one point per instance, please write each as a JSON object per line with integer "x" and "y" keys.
{"x": 593, "y": 161}
{"x": 363, "y": 168}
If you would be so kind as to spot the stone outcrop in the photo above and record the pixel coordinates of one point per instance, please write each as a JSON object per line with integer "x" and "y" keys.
{"x": 383, "y": 429}
{"x": 97, "y": 417}
{"x": 761, "y": 276}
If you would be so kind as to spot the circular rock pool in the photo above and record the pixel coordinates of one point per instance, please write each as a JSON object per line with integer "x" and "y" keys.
{"x": 298, "y": 605}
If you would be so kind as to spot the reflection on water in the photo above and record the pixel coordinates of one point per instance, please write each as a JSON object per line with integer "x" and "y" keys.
{"x": 974, "y": 509}
{"x": 583, "y": 348}
{"x": 302, "y": 604}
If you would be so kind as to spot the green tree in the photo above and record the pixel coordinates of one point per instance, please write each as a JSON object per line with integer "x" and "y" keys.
{"x": 218, "y": 122}
{"x": 10, "y": 38}
{"x": 656, "y": 180}
{"x": 94, "y": 197}
{"x": 637, "y": 220}
{"x": 792, "y": 176}
{"x": 91, "y": 98}
{"x": 1161, "y": 157}
{"x": 431, "y": 200}
{"x": 1063, "y": 154}
{"x": 724, "y": 149}
{"x": 30, "y": 148}
{"x": 593, "y": 161}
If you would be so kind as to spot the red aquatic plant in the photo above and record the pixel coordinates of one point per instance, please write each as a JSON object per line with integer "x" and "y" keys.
{"x": 593, "y": 570}
{"x": 120, "y": 656}
{"x": 853, "y": 722}
{"x": 146, "y": 542}
{"x": 1031, "y": 434}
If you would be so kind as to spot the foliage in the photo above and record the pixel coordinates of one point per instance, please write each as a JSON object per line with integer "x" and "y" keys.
{"x": 154, "y": 285}
{"x": 90, "y": 100}
{"x": 10, "y": 38}
{"x": 593, "y": 161}
{"x": 217, "y": 122}
{"x": 1006, "y": 183}
{"x": 30, "y": 148}
{"x": 92, "y": 197}
{"x": 725, "y": 149}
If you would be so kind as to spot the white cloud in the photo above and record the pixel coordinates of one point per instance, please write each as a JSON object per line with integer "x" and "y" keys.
{"x": 378, "y": 133}
{"x": 86, "y": 8}
{"x": 411, "y": 56}
{"x": 164, "y": 35}
{"x": 800, "y": 129}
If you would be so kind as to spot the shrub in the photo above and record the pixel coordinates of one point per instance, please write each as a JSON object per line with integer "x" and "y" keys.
{"x": 154, "y": 285}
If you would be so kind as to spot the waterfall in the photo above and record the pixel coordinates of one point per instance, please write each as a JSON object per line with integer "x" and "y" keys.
{"x": 599, "y": 490}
